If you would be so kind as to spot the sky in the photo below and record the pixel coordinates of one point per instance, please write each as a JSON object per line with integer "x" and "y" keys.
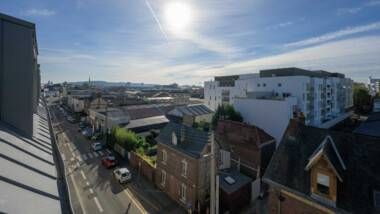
{"x": 191, "y": 41}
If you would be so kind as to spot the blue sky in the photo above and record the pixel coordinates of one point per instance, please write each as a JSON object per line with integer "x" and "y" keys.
{"x": 132, "y": 40}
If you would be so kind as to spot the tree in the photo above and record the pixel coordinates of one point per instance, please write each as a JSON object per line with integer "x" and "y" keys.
{"x": 126, "y": 138}
{"x": 225, "y": 112}
{"x": 362, "y": 98}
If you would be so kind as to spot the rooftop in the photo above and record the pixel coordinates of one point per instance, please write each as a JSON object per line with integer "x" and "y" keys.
{"x": 190, "y": 110}
{"x": 28, "y": 174}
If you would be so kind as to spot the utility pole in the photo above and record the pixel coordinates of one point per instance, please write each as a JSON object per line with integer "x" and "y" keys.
{"x": 212, "y": 177}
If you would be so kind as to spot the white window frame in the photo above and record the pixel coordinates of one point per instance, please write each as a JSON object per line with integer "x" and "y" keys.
{"x": 184, "y": 168}
{"x": 164, "y": 156}
{"x": 182, "y": 193}
{"x": 163, "y": 178}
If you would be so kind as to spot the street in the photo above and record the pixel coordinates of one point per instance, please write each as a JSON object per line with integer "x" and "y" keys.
{"x": 92, "y": 187}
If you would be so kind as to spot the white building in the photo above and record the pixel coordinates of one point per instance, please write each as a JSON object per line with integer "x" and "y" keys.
{"x": 374, "y": 86}
{"x": 272, "y": 97}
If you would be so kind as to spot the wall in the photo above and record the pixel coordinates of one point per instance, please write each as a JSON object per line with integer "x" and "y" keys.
{"x": 270, "y": 115}
{"x": 18, "y": 67}
{"x": 142, "y": 166}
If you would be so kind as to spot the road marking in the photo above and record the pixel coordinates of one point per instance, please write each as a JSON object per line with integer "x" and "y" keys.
{"x": 78, "y": 164}
{"x": 89, "y": 155}
{"x": 63, "y": 157}
{"x": 79, "y": 159}
{"x": 87, "y": 183}
{"x": 137, "y": 203}
{"x": 84, "y": 156}
{"x": 83, "y": 175}
{"x": 77, "y": 193}
{"x": 96, "y": 154}
{"x": 101, "y": 153}
{"x": 91, "y": 191}
{"x": 109, "y": 152}
{"x": 98, "y": 204}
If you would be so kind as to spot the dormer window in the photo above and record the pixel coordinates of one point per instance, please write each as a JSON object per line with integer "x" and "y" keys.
{"x": 323, "y": 184}
{"x": 174, "y": 139}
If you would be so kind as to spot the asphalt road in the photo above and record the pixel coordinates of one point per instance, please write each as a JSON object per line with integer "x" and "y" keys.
{"x": 92, "y": 187}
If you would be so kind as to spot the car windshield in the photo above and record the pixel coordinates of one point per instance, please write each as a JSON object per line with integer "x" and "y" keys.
{"x": 111, "y": 158}
{"x": 124, "y": 174}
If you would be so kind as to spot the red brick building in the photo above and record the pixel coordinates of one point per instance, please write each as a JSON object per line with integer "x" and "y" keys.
{"x": 183, "y": 165}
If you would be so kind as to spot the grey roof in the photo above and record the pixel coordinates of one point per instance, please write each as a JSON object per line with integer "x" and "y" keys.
{"x": 28, "y": 176}
{"x": 146, "y": 122}
{"x": 360, "y": 170}
{"x": 190, "y": 110}
{"x": 195, "y": 140}
{"x": 371, "y": 126}
{"x": 240, "y": 180}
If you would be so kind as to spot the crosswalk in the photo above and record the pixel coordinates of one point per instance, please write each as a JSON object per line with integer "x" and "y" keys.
{"x": 91, "y": 155}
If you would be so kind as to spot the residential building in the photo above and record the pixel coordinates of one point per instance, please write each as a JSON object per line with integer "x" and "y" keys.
{"x": 101, "y": 119}
{"x": 374, "y": 86}
{"x": 376, "y": 105}
{"x": 321, "y": 97}
{"x": 191, "y": 114}
{"x": 248, "y": 150}
{"x": 323, "y": 171}
{"x": 28, "y": 173}
{"x": 183, "y": 165}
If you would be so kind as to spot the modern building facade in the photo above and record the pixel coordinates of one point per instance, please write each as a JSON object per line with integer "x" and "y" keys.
{"x": 321, "y": 97}
{"x": 19, "y": 73}
{"x": 373, "y": 85}
{"x": 29, "y": 180}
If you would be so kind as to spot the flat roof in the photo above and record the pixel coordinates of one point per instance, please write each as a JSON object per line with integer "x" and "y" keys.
{"x": 146, "y": 122}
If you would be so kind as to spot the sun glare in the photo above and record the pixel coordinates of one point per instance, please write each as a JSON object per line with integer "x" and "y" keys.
{"x": 178, "y": 17}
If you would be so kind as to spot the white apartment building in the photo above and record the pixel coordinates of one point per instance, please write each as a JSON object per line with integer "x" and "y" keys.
{"x": 272, "y": 97}
{"x": 373, "y": 86}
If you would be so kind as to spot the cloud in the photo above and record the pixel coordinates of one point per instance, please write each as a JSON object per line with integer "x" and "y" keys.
{"x": 356, "y": 57}
{"x": 335, "y": 35}
{"x": 39, "y": 12}
{"x": 281, "y": 25}
{"x": 353, "y": 10}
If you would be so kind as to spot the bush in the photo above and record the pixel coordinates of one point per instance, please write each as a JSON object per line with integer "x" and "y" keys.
{"x": 225, "y": 112}
{"x": 126, "y": 138}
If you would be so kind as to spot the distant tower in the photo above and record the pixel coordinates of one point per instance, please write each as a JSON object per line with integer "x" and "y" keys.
{"x": 89, "y": 81}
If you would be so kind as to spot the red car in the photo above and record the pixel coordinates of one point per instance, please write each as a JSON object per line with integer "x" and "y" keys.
{"x": 109, "y": 161}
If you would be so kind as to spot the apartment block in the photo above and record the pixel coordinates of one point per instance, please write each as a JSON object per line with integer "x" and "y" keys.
{"x": 373, "y": 85}
{"x": 320, "y": 97}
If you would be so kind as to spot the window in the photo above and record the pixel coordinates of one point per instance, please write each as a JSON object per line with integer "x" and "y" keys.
{"x": 258, "y": 84}
{"x": 279, "y": 84}
{"x": 323, "y": 184}
{"x": 183, "y": 193}
{"x": 164, "y": 156}
{"x": 163, "y": 178}
{"x": 184, "y": 168}
{"x": 174, "y": 139}
{"x": 264, "y": 84}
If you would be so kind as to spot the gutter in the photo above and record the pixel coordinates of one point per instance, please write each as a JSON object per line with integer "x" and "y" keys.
{"x": 65, "y": 197}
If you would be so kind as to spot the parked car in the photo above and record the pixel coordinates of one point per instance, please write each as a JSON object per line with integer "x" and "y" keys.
{"x": 87, "y": 132}
{"x": 109, "y": 161}
{"x": 96, "y": 146}
{"x": 122, "y": 175}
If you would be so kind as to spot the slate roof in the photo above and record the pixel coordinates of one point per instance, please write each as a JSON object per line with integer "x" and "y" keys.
{"x": 359, "y": 153}
{"x": 194, "y": 143}
{"x": 190, "y": 110}
{"x": 28, "y": 176}
{"x": 146, "y": 122}
{"x": 371, "y": 126}
{"x": 151, "y": 110}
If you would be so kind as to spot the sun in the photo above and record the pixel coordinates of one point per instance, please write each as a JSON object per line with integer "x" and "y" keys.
{"x": 178, "y": 17}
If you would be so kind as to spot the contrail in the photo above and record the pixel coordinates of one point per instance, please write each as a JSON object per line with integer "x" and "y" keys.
{"x": 156, "y": 19}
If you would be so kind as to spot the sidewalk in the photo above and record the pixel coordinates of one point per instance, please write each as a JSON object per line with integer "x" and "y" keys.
{"x": 147, "y": 193}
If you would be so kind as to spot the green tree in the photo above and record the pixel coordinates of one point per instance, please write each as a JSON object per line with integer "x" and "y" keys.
{"x": 225, "y": 112}
{"x": 126, "y": 138}
{"x": 362, "y": 98}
